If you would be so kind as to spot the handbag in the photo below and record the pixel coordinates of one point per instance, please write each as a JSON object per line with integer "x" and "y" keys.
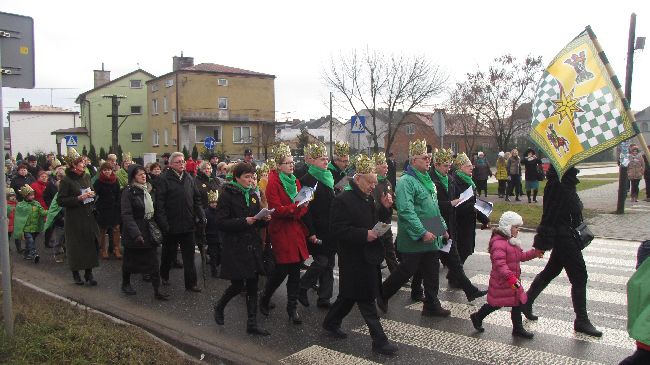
{"x": 583, "y": 235}
{"x": 154, "y": 231}
{"x": 540, "y": 173}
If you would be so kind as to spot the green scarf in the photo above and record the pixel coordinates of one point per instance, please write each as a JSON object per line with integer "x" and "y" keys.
{"x": 322, "y": 175}
{"x": 381, "y": 178}
{"x": 444, "y": 179}
{"x": 347, "y": 187}
{"x": 289, "y": 184}
{"x": 466, "y": 178}
{"x": 246, "y": 191}
{"x": 333, "y": 168}
{"x": 425, "y": 179}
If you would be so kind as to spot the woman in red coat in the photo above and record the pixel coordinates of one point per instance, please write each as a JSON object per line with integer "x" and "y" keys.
{"x": 287, "y": 232}
{"x": 39, "y": 187}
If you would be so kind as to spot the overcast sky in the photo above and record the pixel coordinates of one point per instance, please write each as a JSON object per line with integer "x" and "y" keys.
{"x": 294, "y": 40}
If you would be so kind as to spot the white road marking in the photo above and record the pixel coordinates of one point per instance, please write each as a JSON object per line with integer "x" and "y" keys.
{"x": 593, "y": 277}
{"x": 471, "y": 348}
{"x": 610, "y": 262}
{"x": 318, "y": 355}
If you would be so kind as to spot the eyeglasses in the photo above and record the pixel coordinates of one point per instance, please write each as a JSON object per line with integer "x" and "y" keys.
{"x": 288, "y": 163}
{"x": 180, "y": 162}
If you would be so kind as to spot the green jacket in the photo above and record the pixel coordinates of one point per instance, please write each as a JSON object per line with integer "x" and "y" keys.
{"x": 638, "y": 304}
{"x": 54, "y": 210}
{"x": 28, "y": 218}
{"x": 122, "y": 178}
{"x": 414, "y": 202}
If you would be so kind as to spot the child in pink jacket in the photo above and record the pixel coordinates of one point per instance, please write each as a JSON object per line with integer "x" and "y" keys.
{"x": 505, "y": 288}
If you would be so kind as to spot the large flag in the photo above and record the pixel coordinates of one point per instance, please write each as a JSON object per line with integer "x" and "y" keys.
{"x": 579, "y": 109}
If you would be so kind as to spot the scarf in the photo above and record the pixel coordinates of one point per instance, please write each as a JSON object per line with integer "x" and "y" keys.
{"x": 246, "y": 191}
{"x": 322, "y": 175}
{"x": 148, "y": 202}
{"x": 466, "y": 178}
{"x": 425, "y": 179}
{"x": 333, "y": 168}
{"x": 444, "y": 179}
{"x": 381, "y": 178}
{"x": 347, "y": 187}
{"x": 109, "y": 180}
{"x": 289, "y": 184}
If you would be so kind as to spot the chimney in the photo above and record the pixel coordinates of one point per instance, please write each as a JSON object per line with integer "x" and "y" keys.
{"x": 182, "y": 62}
{"x": 101, "y": 77}
{"x": 24, "y": 105}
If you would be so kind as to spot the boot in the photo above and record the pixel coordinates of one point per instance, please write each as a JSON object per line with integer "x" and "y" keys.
{"x": 264, "y": 304}
{"x": 116, "y": 243}
{"x": 103, "y": 251}
{"x": 214, "y": 271}
{"x": 535, "y": 196}
{"x": 77, "y": 278}
{"x": 160, "y": 295}
{"x": 221, "y": 304}
{"x": 528, "y": 195}
{"x": 302, "y": 297}
{"x": 128, "y": 289}
{"x": 518, "y": 329}
{"x": 88, "y": 275}
{"x": 251, "y": 322}
{"x": 477, "y": 321}
{"x": 582, "y": 322}
{"x": 292, "y": 309}
{"x": 533, "y": 292}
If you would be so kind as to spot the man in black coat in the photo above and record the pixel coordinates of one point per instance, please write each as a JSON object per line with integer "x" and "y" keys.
{"x": 392, "y": 169}
{"x": 22, "y": 178}
{"x": 178, "y": 209}
{"x": 339, "y": 165}
{"x": 382, "y": 188}
{"x": 353, "y": 216}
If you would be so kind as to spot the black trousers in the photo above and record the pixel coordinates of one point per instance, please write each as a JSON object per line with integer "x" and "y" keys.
{"x": 155, "y": 278}
{"x": 481, "y": 185}
{"x": 456, "y": 270}
{"x": 502, "y": 187}
{"x": 427, "y": 264}
{"x": 514, "y": 184}
{"x": 515, "y": 313}
{"x": 634, "y": 191}
{"x": 322, "y": 269}
{"x": 343, "y": 306}
{"x": 389, "y": 253}
{"x": 170, "y": 242}
{"x": 280, "y": 272}
{"x": 640, "y": 357}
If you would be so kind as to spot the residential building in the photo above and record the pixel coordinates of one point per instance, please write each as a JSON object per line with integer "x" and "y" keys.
{"x": 317, "y": 128}
{"x": 30, "y": 127}
{"x": 234, "y": 106}
{"x": 96, "y": 108}
{"x": 643, "y": 123}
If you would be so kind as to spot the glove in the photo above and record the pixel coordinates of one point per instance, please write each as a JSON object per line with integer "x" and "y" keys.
{"x": 514, "y": 282}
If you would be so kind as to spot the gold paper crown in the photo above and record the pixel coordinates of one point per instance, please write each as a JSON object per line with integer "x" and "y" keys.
{"x": 127, "y": 157}
{"x": 462, "y": 159}
{"x": 280, "y": 152}
{"x": 418, "y": 147}
{"x": 25, "y": 190}
{"x": 380, "y": 158}
{"x": 315, "y": 150}
{"x": 10, "y": 191}
{"x": 364, "y": 165}
{"x": 213, "y": 196}
{"x": 271, "y": 164}
{"x": 56, "y": 163}
{"x": 263, "y": 169}
{"x": 443, "y": 156}
{"x": 341, "y": 149}
{"x": 71, "y": 156}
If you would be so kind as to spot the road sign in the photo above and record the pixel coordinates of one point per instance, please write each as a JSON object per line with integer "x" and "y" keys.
{"x": 17, "y": 50}
{"x": 71, "y": 140}
{"x": 209, "y": 142}
{"x": 358, "y": 124}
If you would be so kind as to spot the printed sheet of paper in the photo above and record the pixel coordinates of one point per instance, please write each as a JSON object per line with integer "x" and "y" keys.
{"x": 264, "y": 213}
{"x": 87, "y": 200}
{"x": 305, "y": 195}
{"x": 342, "y": 183}
{"x": 466, "y": 195}
{"x": 380, "y": 228}
{"x": 484, "y": 207}
{"x": 446, "y": 247}
{"x": 433, "y": 225}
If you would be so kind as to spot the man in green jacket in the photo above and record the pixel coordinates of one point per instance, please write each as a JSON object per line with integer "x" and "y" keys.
{"x": 416, "y": 201}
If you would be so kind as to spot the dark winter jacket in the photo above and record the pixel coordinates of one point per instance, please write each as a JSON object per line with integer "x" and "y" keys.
{"x": 337, "y": 174}
{"x": 241, "y": 243}
{"x": 206, "y": 184}
{"x": 317, "y": 218}
{"x": 178, "y": 203}
{"x": 133, "y": 222}
{"x": 353, "y": 214}
{"x": 19, "y": 181}
{"x": 212, "y": 226}
{"x": 481, "y": 169}
{"x": 513, "y": 166}
{"x": 107, "y": 202}
{"x": 445, "y": 196}
{"x": 531, "y": 168}
{"x": 466, "y": 216}
{"x": 50, "y": 192}
{"x": 384, "y": 187}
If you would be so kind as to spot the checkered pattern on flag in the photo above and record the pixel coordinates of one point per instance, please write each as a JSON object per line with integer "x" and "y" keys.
{"x": 578, "y": 110}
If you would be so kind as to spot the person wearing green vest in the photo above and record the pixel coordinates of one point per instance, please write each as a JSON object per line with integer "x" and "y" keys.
{"x": 417, "y": 200}
{"x": 638, "y": 308}
{"x": 28, "y": 222}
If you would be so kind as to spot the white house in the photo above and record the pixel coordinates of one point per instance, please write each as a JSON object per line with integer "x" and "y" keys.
{"x": 31, "y": 126}
{"x": 318, "y": 128}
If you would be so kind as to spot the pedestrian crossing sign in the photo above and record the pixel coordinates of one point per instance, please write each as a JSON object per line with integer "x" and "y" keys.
{"x": 358, "y": 124}
{"x": 71, "y": 140}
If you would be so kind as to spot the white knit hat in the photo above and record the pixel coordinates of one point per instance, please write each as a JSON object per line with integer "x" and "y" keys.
{"x": 502, "y": 154}
{"x": 509, "y": 219}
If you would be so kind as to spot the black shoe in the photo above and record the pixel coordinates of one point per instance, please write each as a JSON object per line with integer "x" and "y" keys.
{"x": 77, "y": 278}
{"x": 218, "y": 315}
{"x": 323, "y": 303}
{"x": 477, "y": 323}
{"x": 417, "y": 296}
{"x": 302, "y": 297}
{"x": 507, "y": 199}
{"x": 294, "y": 317}
{"x": 335, "y": 332}
{"x": 254, "y": 330}
{"x": 128, "y": 290}
{"x": 382, "y": 304}
{"x": 388, "y": 349}
{"x": 517, "y": 199}
{"x": 177, "y": 264}
{"x": 194, "y": 289}
{"x": 437, "y": 312}
{"x": 585, "y": 326}
{"x": 146, "y": 278}
{"x": 90, "y": 279}
{"x": 161, "y": 296}
{"x": 527, "y": 311}
{"x": 265, "y": 308}
{"x": 36, "y": 258}
{"x": 521, "y": 332}
{"x": 476, "y": 294}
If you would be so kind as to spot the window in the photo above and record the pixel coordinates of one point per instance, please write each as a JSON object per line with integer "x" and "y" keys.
{"x": 454, "y": 146}
{"x": 321, "y": 138}
{"x": 223, "y": 103}
{"x": 136, "y": 137}
{"x": 154, "y": 87}
{"x": 136, "y": 109}
{"x": 644, "y": 127}
{"x": 410, "y": 129}
{"x": 155, "y": 137}
{"x": 154, "y": 106}
{"x": 169, "y": 83}
{"x": 166, "y": 137}
{"x": 222, "y": 82}
{"x": 165, "y": 104}
{"x": 173, "y": 141}
{"x": 204, "y": 131}
{"x": 136, "y": 84}
{"x": 173, "y": 115}
{"x": 241, "y": 135}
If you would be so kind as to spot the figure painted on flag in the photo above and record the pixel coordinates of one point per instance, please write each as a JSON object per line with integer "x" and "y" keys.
{"x": 560, "y": 143}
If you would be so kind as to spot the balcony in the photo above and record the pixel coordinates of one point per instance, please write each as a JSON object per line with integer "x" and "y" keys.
{"x": 214, "y": 114}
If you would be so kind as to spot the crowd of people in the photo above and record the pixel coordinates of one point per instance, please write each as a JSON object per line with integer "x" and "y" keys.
{"x": 146, "y": 215}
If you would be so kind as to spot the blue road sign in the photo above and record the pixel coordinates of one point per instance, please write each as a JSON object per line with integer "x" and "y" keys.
{"x": 71, "y": 140}
{"x": 358, "y": 124}
{"x": 209, "y": 142}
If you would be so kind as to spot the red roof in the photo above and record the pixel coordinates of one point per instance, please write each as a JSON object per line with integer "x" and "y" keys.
{"x": 212, "y": 67}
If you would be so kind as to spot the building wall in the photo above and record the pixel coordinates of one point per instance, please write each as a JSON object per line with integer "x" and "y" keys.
{"x": 400, "y": 146}
{"x": 30, "y": 131}
{"x": 94, "y": 113}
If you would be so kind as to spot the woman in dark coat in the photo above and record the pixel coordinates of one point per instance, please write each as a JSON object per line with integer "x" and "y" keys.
{"x": 205, "y": 182}
{"x": 76, "y": 196}
{"x": 532, "y": 163}
{"x": 140, "y": 254}
{"x": 242, "y": 244}
{"x": 107, "y": 206}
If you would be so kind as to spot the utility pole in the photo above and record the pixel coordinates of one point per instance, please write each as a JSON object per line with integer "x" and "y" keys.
{"x": 331, "y": 124}
{"x": 115, "y": 127}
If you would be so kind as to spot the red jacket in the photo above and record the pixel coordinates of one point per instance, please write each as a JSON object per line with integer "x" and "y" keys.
{"x": 39, "y": 187}
{"x": 506, "y": 259}
{"x": 288, "y": 233}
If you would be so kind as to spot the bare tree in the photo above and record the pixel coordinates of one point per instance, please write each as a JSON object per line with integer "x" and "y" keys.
{"x": 389, "y": 87}
{"x": 465, "y": 114}
{"x": 500, "y": 91}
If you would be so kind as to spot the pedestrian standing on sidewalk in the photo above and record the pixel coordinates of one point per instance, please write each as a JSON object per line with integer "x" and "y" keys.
{"x": 354, "y": 214}
{"x": 514, "y": 175}
{"x": 28, "y": 222}
{"x": 562, "y": 213}
{"x": 501, "y": 174}
{"x": 242, "y": 244}
{"x": 505, "y": 289}
{"x": 287, "y": 232}
{"x": 481, "y": 173}
{"x": 533, "y": 165}
{"x": 635, "y": 172}
{"x": 107, "y": 206}
{"x": 11, "y": 213}
{"x": 382, "y": 188}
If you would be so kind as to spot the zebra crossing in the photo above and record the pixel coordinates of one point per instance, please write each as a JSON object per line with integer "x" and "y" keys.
{"x": 453, "y": 340}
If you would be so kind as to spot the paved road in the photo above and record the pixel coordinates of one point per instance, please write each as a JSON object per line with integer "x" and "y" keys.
{"x": 187, "y": 319}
